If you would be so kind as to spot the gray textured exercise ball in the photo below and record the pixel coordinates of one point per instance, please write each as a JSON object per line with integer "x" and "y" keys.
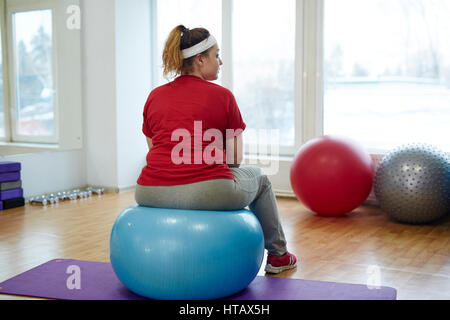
{"x": 412, "y": 184}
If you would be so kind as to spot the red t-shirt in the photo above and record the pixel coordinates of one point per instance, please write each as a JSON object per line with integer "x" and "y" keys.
{"x": 176, "y": 117}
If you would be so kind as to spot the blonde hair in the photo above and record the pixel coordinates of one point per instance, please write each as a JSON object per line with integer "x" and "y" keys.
{"x": 181, "y": 38}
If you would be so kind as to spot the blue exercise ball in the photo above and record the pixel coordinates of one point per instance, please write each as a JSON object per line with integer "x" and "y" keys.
{"x": 175, "y": 254}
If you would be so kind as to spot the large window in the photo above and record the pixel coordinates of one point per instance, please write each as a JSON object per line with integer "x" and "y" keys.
{"x": 41, "y": 98}
{"x": 387, "y": 71}
{"x": 257, "y": 42}
{"x": 377, "y": 71}
{"x": 264, "y": 65}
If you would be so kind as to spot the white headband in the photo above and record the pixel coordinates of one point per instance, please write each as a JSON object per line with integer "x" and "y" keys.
{"x": 199, "y": 47}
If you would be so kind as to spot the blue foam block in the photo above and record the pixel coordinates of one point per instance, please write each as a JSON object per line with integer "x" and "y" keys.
{"x": 9, "y": 176}
{"x": 11, "y": 194}
{"x": 8, "y": 166}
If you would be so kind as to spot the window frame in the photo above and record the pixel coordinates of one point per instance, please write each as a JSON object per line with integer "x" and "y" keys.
{"x": 312, "y": 109}
{"x": 67, "y": 81}
{"x": 227, "y": 77}
{"x": 227, "y": 69}
{"x": 5, "y": 72}
{"x": 308, "y": 87}
{"x": 13, "y": 7}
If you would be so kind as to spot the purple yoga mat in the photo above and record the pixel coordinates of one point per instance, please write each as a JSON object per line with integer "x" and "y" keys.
{"x": 9, "y": 176}
{"x": 8, "y": 166}
{"x": 11, "y": 194}
{"x": 56, "y": 279}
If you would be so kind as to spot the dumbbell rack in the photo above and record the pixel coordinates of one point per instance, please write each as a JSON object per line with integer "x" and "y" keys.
{"x": 75, "y": 194}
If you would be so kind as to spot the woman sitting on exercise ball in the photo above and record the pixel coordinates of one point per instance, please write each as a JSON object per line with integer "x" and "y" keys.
{"x": 186, "y": 174}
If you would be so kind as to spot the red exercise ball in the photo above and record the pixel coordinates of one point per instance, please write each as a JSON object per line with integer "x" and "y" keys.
{"x": 332, "y": 175}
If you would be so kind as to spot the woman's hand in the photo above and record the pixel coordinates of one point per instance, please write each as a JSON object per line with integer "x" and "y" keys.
{"x": 234, "y": 151}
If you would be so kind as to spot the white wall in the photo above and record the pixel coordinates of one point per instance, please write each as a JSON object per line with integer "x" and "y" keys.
{"x": 133, "y": 64}
{"x": 51, "y": 171}
{"x": 99, "y": 87}
{"x": 48, "y": 172}
{"x": 116, "y": 39}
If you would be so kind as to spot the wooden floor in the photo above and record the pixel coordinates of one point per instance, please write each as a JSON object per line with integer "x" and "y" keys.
{"x": 364, "y": 247}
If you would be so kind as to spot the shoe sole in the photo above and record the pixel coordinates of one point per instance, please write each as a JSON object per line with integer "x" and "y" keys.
{"x": 270, "y": 269}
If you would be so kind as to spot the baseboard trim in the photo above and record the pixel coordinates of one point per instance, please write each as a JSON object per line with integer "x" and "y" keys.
{"x": 284, "y": 193}
{"x": 126, "y": 189}
{"x": 290, "y": 194}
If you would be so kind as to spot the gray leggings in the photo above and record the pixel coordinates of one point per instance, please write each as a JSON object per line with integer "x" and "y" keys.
{"x": 250, "y": 187}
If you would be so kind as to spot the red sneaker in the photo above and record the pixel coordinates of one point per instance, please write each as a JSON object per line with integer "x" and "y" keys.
{"x": 277, "y": 264}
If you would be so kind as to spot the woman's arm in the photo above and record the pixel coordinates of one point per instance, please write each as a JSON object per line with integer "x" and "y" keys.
{"x": 234, "y": 151}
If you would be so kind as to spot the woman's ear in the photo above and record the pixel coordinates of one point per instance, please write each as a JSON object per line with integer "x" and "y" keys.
{"x": 200, "y": 59}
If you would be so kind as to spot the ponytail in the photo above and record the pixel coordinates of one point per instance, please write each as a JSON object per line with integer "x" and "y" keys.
{"x": 172, "y": 56}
